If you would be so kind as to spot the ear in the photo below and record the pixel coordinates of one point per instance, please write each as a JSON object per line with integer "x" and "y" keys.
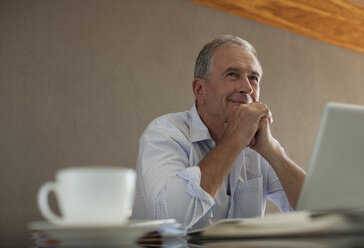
{"x": 198, "y": 87}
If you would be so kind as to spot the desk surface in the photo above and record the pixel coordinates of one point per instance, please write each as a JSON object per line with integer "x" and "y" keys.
{"x": 318, "y": 242}
{"x": 336, "y": 242}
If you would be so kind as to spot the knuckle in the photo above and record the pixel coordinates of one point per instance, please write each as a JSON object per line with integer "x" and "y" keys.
{"x": 243, "y": 107}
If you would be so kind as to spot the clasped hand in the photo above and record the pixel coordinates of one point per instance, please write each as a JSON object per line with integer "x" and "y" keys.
{"x": 248, "y": 125}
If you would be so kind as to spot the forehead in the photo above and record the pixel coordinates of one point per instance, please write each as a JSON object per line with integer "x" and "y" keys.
{"x": 235, "y": 57}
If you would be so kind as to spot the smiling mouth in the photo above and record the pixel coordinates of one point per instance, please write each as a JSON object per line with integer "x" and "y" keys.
{"x": 238, "y": 102}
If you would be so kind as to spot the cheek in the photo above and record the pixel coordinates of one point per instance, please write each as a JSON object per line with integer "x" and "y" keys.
{"x": 220, "y": 94}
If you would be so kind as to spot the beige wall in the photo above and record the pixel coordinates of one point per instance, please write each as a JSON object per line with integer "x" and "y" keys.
{"x": 80, "y": 80}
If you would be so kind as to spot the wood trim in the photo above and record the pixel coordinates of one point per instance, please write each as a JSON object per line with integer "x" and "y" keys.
{"x": 338, "y": 22}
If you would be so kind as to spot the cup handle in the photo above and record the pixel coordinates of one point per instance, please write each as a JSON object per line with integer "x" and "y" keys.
{"x": 43, "y": 203}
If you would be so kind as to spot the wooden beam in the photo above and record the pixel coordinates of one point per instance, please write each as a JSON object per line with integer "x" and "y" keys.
{"x": 338, "y": 22}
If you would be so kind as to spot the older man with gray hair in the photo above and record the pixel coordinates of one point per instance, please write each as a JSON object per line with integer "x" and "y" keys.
{"x": 219, "y": 159}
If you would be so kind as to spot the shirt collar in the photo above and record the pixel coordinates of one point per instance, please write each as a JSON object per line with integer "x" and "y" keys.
{"x": 198, "y": 130}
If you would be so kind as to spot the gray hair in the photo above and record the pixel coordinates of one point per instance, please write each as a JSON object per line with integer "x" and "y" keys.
{"x": 203, "y": 66}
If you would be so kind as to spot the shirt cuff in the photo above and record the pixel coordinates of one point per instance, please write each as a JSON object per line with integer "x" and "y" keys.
{"x": 280, "y": 199}
{"x": 193, "y": 177}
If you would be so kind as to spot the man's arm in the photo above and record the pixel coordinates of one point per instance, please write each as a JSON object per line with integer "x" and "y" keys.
{"x": 168, "y": 186}
{"x": 240, "y": 130}
{"x": 249, "y": 125}
{"x": 289, "y": 173}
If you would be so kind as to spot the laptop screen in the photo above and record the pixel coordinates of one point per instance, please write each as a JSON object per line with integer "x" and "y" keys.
{"x": 335, "y": 176}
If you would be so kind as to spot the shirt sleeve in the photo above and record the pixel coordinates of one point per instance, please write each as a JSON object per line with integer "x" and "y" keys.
{"x": 276, "y": 192}
{"x": 171, "y": 189}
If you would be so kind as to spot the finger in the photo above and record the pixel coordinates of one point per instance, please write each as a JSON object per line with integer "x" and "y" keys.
{"x": 226, "y": 124}
{"x": 268, "y": 114}
{"x": 252, "y": 142}
{"x": 254, "y": 98}
{"x": 270, "y": 118}
{"x": 264, "y": 122}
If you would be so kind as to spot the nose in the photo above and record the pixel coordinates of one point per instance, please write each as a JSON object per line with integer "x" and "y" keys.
{"x": 244, "y": 86}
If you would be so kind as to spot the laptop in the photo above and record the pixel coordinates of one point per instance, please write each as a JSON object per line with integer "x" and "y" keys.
{"x": 335, "y": 176}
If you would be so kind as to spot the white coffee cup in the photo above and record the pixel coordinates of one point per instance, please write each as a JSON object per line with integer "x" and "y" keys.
{"x": 90, "y": 196}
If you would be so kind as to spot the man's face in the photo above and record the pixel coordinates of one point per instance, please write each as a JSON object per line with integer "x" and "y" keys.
{"x": 234, "y": 80}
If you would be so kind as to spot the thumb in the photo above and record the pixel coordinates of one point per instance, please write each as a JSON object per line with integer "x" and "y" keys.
{"x": 252, "y": 143}
{"x": 226, "y": 124}
{"x": 264, "y": 122}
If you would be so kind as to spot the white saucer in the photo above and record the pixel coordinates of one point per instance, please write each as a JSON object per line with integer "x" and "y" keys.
{"x": 47, "y": 234}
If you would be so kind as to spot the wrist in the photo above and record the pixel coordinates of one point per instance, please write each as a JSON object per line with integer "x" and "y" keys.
{"x": 233, "y": 142}
{"x": 275, "y": 155}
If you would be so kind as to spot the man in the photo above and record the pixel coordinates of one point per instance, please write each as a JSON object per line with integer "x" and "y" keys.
{"x": 218, "y": 160}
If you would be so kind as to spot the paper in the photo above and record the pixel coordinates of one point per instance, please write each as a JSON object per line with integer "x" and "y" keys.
{"x": 293, "y": 224}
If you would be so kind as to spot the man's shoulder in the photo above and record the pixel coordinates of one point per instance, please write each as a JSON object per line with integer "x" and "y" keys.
{"x": 171, "y": 119}
{"x": 171, "y": 124}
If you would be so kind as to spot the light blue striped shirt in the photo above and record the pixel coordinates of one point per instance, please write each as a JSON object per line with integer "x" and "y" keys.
{"x": 168, "y": 178}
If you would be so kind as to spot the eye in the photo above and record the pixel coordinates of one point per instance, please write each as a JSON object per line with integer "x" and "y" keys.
{"x": 254, "y": 78}
{"x": 233, "y": 75}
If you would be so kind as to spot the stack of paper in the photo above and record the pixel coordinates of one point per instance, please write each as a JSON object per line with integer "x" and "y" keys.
{"x": 294, "y": 224}
{"x": 161, "y": 232}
